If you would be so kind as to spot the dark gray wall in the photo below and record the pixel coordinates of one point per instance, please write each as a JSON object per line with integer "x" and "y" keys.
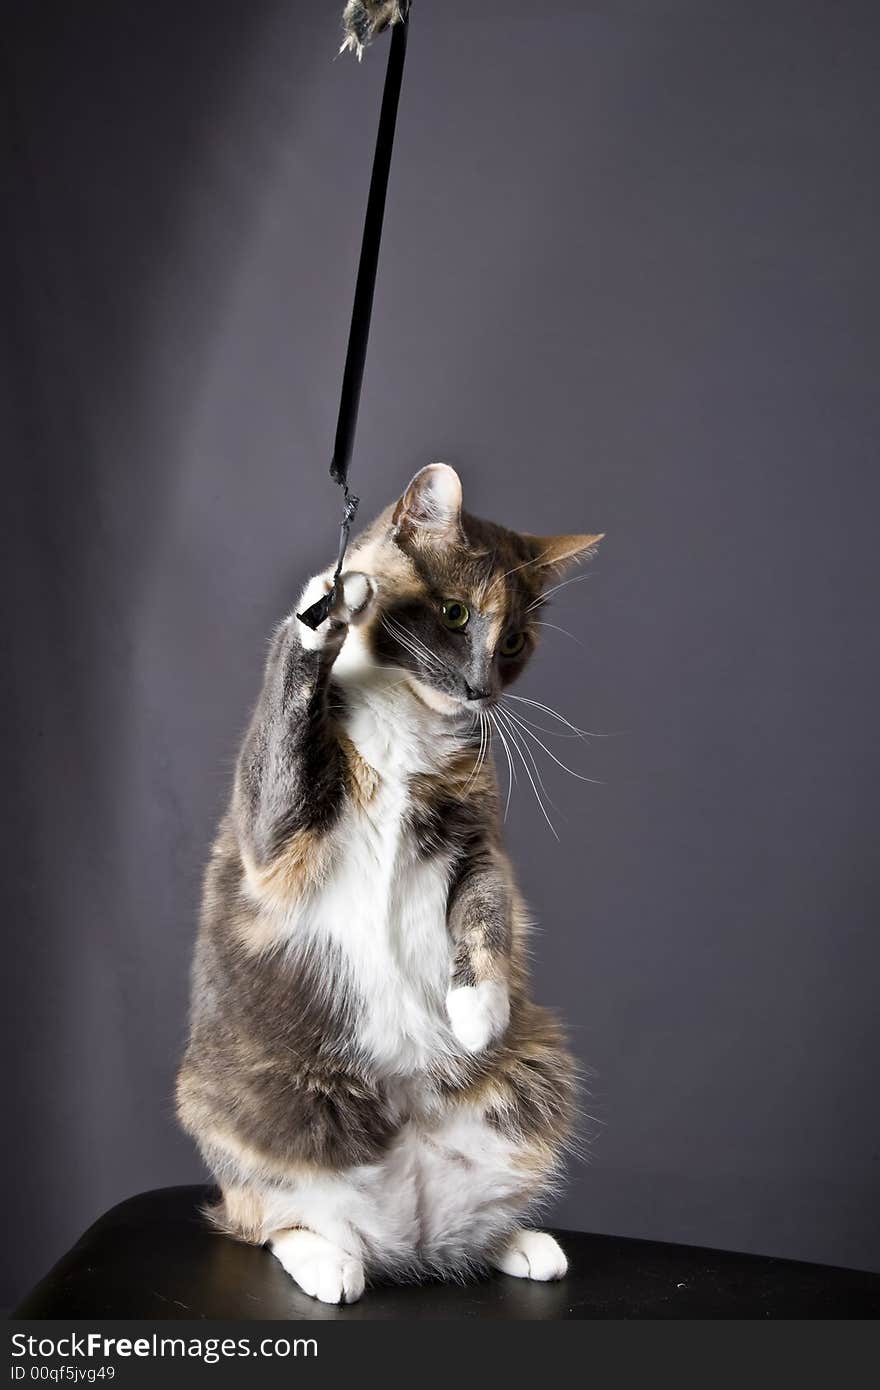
{"x": 629, "y": 284}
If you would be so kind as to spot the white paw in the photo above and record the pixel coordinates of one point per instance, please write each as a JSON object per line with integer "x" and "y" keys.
{"x": 354, "y": 598}
{"x": 531, "y": 1255}
{"x": 478, "y": 1013}
{"x": 321, "y": 1269}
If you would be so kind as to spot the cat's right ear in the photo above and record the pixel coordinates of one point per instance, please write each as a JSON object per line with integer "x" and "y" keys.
{"x": 430, "y": 509}
{"x": 554, "y": 555}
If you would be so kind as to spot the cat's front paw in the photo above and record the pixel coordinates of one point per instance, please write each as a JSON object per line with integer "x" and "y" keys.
{"x": 354, "y": 599}
{"x": 355, "y": 595}
{"x": 478, "y": 1014}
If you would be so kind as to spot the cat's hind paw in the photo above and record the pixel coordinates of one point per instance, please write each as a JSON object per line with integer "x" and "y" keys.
{"x": 531, "y": 1255}
{"x": 478, "y": 1014}
{"x": 321, "y": 1269}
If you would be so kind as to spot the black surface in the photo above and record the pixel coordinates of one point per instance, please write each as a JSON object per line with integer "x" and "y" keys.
{"x": 153, "y": 1256}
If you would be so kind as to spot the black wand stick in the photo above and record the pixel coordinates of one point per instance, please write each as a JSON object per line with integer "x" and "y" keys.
{"x": 359, "y": 331}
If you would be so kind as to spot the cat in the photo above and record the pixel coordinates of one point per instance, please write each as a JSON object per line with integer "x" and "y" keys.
{"x": 367, "y": 1076}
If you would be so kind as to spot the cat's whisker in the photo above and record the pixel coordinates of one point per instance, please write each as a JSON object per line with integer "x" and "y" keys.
{"x": 554, "y": 714}
{"x": 536, "y": 559}
{"x": 404, "y": 638}
{"x": 414, "y": 641}
{"x": 511, "y": 775}
{"x": 557, "y": 628}
{"x": 413, "y": 644}
{"x": 544, "y": 812}
{"x": 479, "y": 754}
{"x": 413, "y": 638}
{"x": 516, "y": 744}
{"x": 484, "y": 744}
{"x": 401, "y": 640}
{"x": 395, "y": 685}
{"x": 579, "y": 775}
{"x": 575, "y": 579}
{"x": 399, "y": 633}
{"x": 531, "y": 757}
{"x": 556, "y": 733}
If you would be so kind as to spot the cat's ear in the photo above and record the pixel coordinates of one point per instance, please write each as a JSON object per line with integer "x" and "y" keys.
{"x": 430, "y": 509}
{"x": 553, "y": 555}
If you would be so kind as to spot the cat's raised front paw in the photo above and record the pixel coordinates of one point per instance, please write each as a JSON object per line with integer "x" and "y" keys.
{"x": 478, "y": 1014}
{"x": 354, "y": 598}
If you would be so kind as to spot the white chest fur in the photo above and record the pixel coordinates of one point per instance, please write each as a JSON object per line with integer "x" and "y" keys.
{"x": 383, "y": 910}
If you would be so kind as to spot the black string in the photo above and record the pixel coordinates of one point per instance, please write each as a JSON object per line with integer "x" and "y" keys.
{"x": 359, "y": 331}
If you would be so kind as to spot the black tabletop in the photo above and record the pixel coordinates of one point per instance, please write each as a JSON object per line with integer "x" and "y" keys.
{"x": 153, "y": 1257}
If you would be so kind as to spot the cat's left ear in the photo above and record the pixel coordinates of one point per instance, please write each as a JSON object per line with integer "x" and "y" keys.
{"x": 430, "y": 509}
{"x": 553, "y": 555}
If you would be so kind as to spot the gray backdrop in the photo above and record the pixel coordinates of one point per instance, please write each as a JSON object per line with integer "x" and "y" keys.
{"x": 628, "y": 284}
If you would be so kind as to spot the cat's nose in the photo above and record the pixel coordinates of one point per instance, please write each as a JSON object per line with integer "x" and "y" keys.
{"x": 477, "y": 694}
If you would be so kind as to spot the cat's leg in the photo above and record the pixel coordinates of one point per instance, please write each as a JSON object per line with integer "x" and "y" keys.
{"x": 480, "y": 924}
{"x": 322, "y": 1270}
{"x": 291, "y": 772}
{"x": 477, "y": 1187}
{"x": 531, "y": 1255}
{"x": 329, "y": 1227}
{"x": 495, "y": 1150}
{"x": 318, "y": 1263}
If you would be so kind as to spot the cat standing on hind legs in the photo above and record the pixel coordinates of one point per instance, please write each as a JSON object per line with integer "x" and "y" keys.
{"x": 367, "y": 1075}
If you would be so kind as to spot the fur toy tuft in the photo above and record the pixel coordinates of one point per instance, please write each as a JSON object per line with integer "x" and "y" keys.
{"x": 363, "y": 19}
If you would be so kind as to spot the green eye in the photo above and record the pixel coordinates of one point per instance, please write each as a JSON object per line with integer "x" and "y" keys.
{"x": 455, "y": 614}
{"x": 513, "y": 643}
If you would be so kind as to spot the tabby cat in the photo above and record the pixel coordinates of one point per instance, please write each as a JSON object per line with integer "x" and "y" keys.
{"x": 367, "y": 1075}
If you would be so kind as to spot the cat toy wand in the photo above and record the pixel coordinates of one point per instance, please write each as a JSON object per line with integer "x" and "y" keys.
{"x": 363, "y": 19}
